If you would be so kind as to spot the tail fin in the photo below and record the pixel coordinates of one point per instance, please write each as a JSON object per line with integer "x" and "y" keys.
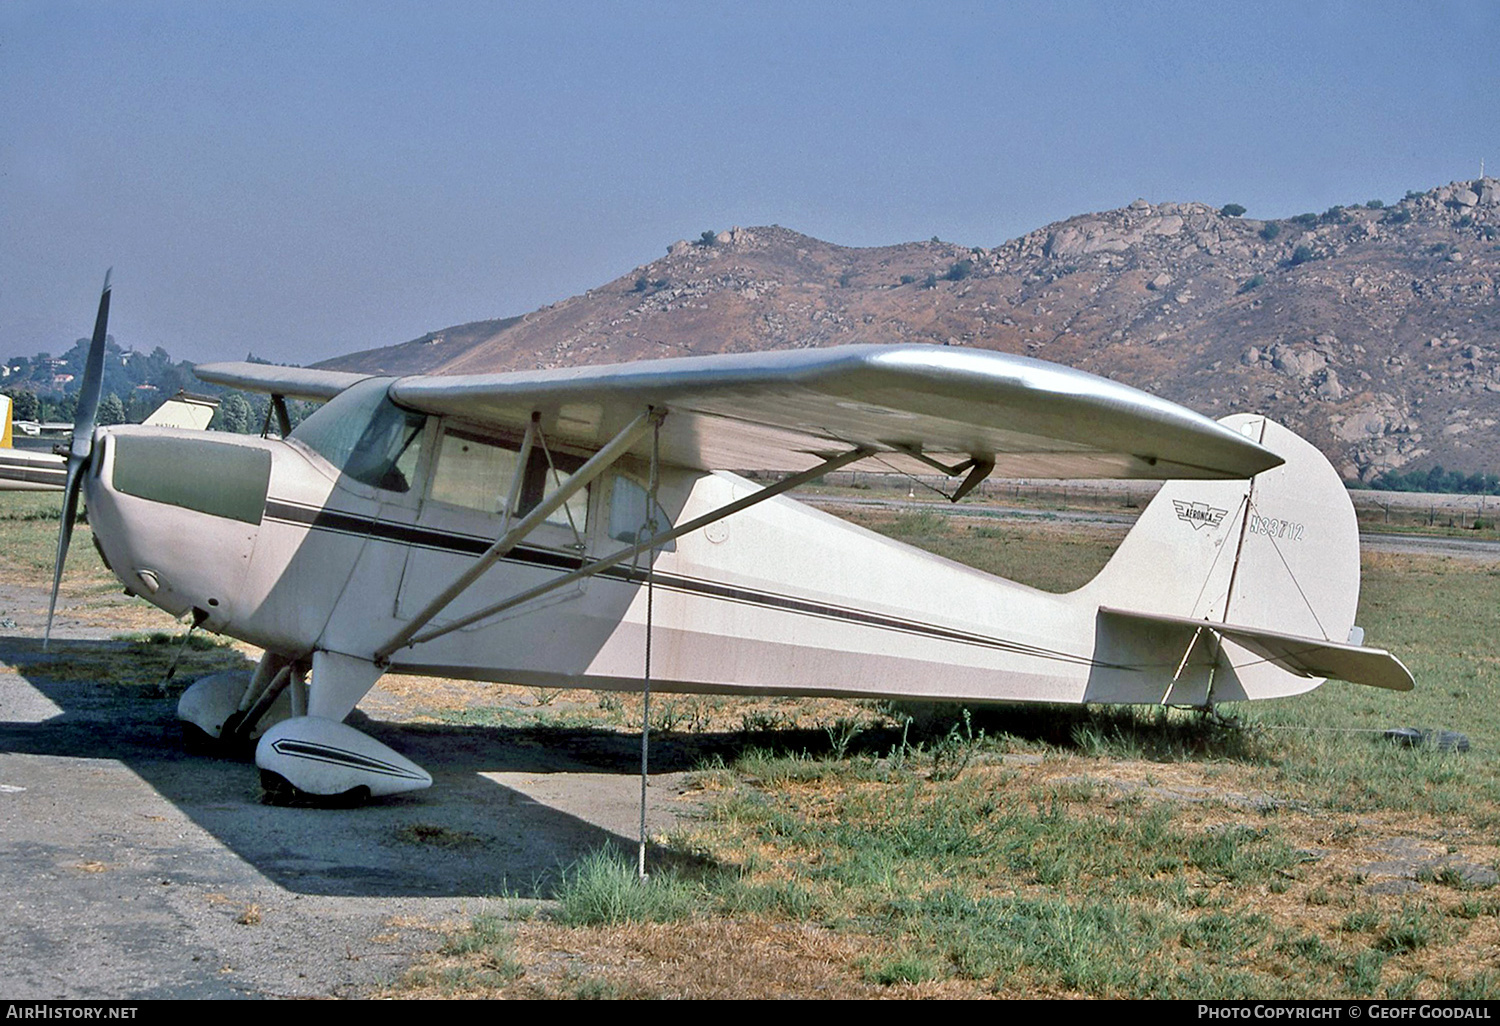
{"x": 184, "y": 410}
{"x": 1274, "y": 560}
{"x": 5, "y": 405}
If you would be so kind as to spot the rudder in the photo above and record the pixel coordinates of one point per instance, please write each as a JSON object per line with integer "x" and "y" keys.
{"x": 1279, "y": 553}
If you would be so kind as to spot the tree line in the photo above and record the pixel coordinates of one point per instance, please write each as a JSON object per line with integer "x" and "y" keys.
{"x": 1436, "y": 479}
{"x": 134, "y": 385}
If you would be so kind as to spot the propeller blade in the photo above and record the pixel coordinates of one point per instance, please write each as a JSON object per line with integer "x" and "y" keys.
{"x": 64, "y": 536}
{"x": 93, "y": 381}
{"x": 82, "y": 445}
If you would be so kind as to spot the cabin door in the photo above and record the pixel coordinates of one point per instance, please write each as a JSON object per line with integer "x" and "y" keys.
{"x": 470, "y": 482}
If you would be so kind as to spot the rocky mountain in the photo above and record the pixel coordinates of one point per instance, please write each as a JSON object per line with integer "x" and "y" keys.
{"x": 421, "y": 355}
{"x": 1372, "y": 329}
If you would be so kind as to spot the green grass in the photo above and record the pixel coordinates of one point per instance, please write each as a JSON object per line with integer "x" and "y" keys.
{"x": 902, "y": 969}
{"x": 1059, "y": 890}
{"x": 1441, "y": 617}
{"x": 1049, "y": 894}
{"x": 1052, "y": 559}
{"x": 138, "y": 661}
{"x": 603, "y": 889}
{"x": 28, "y": 540}
{"x": 484, "y": 949}
{"x": 545, "y": 718}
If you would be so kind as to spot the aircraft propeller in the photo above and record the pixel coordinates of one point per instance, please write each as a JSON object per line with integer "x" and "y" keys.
{"x": 81, "y": 447}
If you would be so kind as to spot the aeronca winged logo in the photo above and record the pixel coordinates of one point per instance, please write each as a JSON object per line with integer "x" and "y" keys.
{"x": 1199, "y": 514}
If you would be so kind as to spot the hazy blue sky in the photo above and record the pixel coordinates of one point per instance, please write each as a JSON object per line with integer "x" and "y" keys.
{"x": 303, "y": 179}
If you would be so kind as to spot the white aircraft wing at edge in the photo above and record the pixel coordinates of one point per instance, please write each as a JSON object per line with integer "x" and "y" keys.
{"x": 292, "y": 382}
{"x": 914, "y": 405}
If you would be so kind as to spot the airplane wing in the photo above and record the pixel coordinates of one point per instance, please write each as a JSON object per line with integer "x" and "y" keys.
{"x": 24, "y": 470}
{"x": 292, "y": 382}
{"x": 1307, "y": 657}
{"x": 915, "y": 405}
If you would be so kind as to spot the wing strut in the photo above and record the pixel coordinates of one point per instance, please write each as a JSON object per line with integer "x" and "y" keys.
{"x": 277, "y": 408}
{"x": 597, "y": 464}
{"x": 408, "y": 636}
{"x": 977, "y": 467}
{"x": 648, "y": 527}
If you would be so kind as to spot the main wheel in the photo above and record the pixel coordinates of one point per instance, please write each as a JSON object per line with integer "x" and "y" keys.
{"x": 278, "y": 790}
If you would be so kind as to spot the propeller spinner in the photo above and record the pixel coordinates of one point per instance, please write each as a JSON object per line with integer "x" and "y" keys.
{"x": 82, "y": 446}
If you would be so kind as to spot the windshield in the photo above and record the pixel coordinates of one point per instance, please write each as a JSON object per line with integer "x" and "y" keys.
{"x": 366, "y": 436}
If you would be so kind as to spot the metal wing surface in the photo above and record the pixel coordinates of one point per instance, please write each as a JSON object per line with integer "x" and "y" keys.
{"x": 292, "y": 382}
{"x": 784, "y": 411}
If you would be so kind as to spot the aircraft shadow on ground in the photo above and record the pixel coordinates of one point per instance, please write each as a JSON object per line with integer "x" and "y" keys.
{"x": 466, "y": 836}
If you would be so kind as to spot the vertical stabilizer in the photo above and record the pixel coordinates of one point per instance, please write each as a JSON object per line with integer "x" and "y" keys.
{"x": 184, "y": 410}
{"x": 1279, "y": 553}
{"x": 5, "y": 407}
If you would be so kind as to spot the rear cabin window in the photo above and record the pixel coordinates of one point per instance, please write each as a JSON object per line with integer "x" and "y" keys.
{"x": 477, "y": 472}
{"x": 629, "y": 519}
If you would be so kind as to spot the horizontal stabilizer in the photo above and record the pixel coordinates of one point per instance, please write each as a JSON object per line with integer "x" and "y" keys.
{"x": 1307, "y": 657}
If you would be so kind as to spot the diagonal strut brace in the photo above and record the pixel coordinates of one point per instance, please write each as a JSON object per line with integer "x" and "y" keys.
{"x": 410, "y": 637}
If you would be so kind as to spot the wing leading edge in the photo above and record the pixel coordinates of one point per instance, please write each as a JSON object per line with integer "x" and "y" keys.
{"x": 292, "y": 382}
{"x": 785, "y": 411}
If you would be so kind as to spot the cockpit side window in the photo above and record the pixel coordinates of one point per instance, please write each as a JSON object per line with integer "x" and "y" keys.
{"x": 366, "y": 436}
{"x": 473, "y": 472}
{"x": 479, "y": 473}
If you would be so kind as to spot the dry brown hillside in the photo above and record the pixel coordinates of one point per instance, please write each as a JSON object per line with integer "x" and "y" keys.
{"x": 1373, "y": 330}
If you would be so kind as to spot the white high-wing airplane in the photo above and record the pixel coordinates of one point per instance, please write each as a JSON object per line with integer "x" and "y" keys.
{"x": 542, "y": 527}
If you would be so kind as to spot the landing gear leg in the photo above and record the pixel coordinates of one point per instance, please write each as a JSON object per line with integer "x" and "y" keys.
{"x": 225, "y": 711}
